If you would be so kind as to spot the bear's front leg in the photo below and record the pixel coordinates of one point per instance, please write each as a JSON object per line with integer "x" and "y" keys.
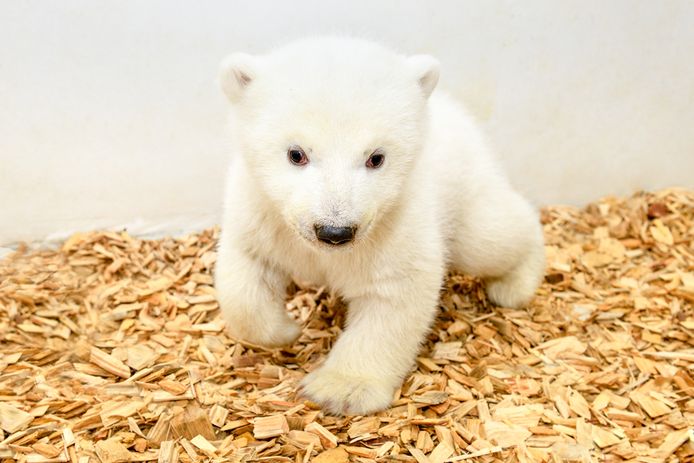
{"x": 250, "y": 294}
{"x": 377, "y": 350}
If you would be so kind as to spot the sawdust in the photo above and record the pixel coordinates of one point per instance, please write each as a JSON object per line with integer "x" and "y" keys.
{"x": 112, "y": 350}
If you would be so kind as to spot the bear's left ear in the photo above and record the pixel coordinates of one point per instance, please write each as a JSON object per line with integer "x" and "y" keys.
{"x": 426, "y": 70}
{"x": 236, "y": 73}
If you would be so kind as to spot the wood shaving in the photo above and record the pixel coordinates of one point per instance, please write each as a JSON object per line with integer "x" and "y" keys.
{"x": 113, "y": 350}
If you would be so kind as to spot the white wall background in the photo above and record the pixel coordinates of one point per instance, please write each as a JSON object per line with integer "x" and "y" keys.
{"x": 110, "y": 116}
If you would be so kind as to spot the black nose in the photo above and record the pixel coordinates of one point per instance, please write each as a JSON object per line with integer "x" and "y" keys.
{"x": 334, "y": 235}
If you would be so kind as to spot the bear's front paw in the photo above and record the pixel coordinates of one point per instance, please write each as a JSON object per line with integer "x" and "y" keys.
{"x": 277, "y": 333}
{"x": 345, "y": 394}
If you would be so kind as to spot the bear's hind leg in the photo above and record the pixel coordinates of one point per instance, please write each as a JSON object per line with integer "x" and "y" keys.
{"x": 499, "y": 238}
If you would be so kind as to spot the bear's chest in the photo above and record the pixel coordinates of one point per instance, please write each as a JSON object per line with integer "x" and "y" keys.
{"x": 339, "y": 271}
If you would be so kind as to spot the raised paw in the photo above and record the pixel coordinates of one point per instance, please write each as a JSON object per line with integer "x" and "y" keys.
{"x": 276, "y": 333}
{"x": 345, "y": 394}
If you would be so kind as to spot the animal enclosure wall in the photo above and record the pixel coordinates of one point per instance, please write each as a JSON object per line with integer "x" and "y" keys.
{"x": 110, "y": 116}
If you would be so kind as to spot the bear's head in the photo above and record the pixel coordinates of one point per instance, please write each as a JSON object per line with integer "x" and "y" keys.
{"x": 330, "y": 129}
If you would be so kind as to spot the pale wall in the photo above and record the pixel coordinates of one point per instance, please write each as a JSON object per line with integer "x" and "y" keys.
{"x": 109, "y": 114}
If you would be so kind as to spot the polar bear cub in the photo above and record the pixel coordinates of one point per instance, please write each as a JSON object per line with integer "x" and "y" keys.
{"x": 350, "y": 171}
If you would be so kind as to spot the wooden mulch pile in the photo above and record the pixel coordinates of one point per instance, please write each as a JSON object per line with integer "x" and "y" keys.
{"x": 112, "y": 349}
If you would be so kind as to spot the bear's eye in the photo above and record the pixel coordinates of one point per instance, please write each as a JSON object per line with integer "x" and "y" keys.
{"x": 297, "y": 156}
{"x": 376, "y": 159}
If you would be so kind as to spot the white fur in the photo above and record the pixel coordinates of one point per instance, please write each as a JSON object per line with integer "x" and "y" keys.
{"x": 438, "y": 201}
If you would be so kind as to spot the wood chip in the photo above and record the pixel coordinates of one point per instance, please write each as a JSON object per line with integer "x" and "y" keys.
{"x": 270, "y": 426}
{"x": 304, "y": 438}
{"x": 203, "y": 444}
{"x": 364, "y": 427}
{"x": 13, "y": 419}
{"x": 114, "y": 411}
{"x": 441, "y": 452}
{"x": 218, "y": 415}
{"x": 337, "y": 455}
{"x": 193, "y": 422}
{"x": 112, "y": 451}
{"x": 168, "y": 453}
{"x": 47, "y": 450}
{"x": 505, "y": 435}
{"x": 650, "y": 405}
{"x": 173, "y": 387}
{"x": 328, "y": 439}
{"x": 672, "y": 442}
{"x": 109, "y": 363}
{"x": 431, "y": 397}
{"x": 603, "y": 437}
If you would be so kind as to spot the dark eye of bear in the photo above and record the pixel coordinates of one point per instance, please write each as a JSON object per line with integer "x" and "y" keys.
{"x": 375, "y": 160}
{"x": 297, "y": 156}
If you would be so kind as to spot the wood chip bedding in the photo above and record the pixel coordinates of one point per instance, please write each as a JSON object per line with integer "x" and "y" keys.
{"x": 112, "y": 350}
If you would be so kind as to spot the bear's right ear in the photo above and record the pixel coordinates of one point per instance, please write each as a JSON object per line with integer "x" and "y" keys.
{"x": 237, "y": 72}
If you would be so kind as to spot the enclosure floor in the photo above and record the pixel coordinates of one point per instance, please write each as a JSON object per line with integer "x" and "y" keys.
{"x": 112, "y": 350}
